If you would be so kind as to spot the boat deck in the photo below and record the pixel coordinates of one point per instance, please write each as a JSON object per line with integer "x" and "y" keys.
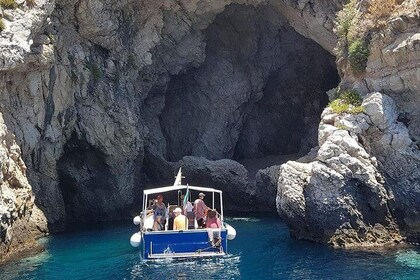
{"x": 186, "y": 255}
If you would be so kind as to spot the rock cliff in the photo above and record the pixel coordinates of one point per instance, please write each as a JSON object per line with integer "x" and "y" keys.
{"x": 362, "y": 188}
{"x": 108, "y": 97}
{"x": 20, "y": 220}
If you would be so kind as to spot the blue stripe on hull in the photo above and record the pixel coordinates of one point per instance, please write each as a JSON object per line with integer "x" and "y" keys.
{"x": 189, "y": 241}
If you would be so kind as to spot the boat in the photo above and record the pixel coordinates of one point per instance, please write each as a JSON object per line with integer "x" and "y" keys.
{"x": 191, "y": 242}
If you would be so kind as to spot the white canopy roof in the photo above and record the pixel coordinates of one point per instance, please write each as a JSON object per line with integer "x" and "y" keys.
{"x": 180, "y": 187}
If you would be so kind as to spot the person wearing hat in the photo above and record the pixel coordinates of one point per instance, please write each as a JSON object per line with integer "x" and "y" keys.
{"x": 200, "y": 209}
{"x": 159, "y": 213}
{"x": 180, "y": 221}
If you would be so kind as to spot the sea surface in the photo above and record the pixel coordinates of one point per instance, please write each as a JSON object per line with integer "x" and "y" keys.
{"x": 262, "y": 249}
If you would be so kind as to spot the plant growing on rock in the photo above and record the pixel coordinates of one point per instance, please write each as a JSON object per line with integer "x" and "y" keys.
{"x": 381, "y": 8}
{"x": 346, "y": 19}
{"x": 8, "y": 4}
{"x": 358, "y": 54}
{"x": 351, "y": 46}
{"x": 349, "y": 102}
{"x": 351, "y": 97}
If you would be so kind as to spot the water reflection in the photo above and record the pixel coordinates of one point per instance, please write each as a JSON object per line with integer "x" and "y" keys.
{"x": 217, "y": 268}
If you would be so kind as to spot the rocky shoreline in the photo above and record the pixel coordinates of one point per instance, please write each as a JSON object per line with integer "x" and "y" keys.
{"x": 21, "y": 220}
{"x": 100, "y": 100}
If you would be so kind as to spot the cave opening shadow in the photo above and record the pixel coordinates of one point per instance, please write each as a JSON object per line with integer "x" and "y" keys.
{"x": 85, "y": 182}
{"x": 259, "y": 92}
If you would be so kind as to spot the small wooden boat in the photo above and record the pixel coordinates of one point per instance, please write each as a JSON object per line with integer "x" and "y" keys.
{"x": 191, "y": 242}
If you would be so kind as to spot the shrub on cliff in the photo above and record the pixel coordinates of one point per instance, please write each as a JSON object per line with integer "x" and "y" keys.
{"x": 358, "y": 54}
{"x": 351, "y": 97}
{"x": 8, "y": 4}
{"x": 345, "y": 20}
{"x": 381, "y": 8}
{"x": 352, "y": 46}
{"x": 349, "y": 102}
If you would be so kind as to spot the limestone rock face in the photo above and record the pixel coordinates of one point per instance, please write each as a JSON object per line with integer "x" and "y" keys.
{"x": 93, "y": 91}
{"x": 353, "y": 194}
{"x": 103, "y": 79}
{"x": 393, "y": 66}
{"x": 20, "y": 219}
{"x": 105, "y": 97}
{"x": 266, "y": 187}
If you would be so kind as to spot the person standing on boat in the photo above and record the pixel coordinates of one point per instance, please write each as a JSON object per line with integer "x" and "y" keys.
{"x": 180, "y": 221}
{"x": 200, "y": 209}
{"x": 159, "y": 214}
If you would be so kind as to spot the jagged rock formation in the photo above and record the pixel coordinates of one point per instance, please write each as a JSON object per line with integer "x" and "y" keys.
{"x": 362, "y": 187}
{"x": 341, "y": 197}
{"x": 393, "y": 65}
{"x": 20, "y": 220}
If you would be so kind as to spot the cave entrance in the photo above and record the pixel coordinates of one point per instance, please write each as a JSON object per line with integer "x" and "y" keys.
{"x": 259, "y": 92}
{"x": 86, "y": 182}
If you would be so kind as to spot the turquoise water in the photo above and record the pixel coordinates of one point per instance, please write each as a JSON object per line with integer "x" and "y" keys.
{"x": 261, "y": 250}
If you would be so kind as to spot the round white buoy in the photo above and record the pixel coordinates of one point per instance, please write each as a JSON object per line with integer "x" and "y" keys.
{"x": 136, "y": 220}
{"x": 135, "y": 239}
{"x": 231, "y": 232}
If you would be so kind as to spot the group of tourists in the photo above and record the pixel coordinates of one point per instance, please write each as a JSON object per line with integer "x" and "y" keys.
{"x": 183, "y": 219}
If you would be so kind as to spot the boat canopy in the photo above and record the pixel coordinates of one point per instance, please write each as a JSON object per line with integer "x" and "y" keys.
{"x": 179, "y": 187}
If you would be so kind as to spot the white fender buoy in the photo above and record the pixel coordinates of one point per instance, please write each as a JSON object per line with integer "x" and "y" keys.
{"x": 136, "y": 220}
{"x": 231, "y": 232}
{"x": 135, "y": 239}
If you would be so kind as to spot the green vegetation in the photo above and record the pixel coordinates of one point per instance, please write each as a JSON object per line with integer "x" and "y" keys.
{"x": 349, "y": 102}
{"x": 2, "y": 24}
{"x": 345, "y": 19}
{"x": 8, "y": 4}
{"x": 351, "y": 97}
{"x": 358, "y": 56}
{"x": 352, "y": 44}
{"x": 342, "y": 126}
